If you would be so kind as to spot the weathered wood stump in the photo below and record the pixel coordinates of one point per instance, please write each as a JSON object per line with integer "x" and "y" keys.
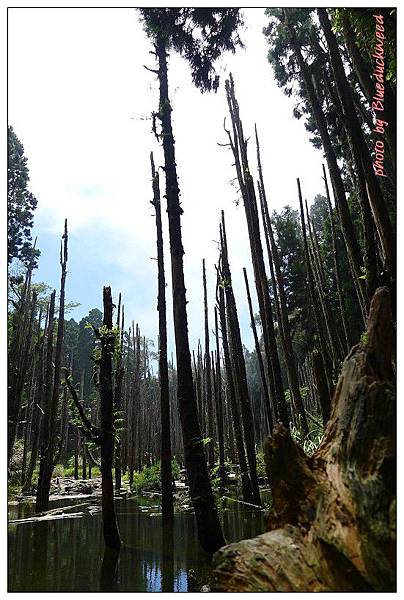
{"x": 333, "y": 525}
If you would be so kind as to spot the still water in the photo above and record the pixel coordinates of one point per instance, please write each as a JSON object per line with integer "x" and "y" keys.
{"x": 68, "y": 554}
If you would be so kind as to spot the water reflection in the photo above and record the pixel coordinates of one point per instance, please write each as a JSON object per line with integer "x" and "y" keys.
{"x": 69, "y": 554}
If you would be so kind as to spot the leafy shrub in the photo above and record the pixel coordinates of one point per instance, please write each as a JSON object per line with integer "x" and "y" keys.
{"x": 58, "y": 471}
{"x": 150, "y": 477}
{"x": 261, "y": 469}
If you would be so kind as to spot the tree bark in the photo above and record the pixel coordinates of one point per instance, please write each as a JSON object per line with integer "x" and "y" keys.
{"x": 167, "y": 501}
{"x": 110, "y": 525}
{"x": 48, "y": 440}
{"x": 209, "y": 529}
{"x": 333, "y": 522}
{"x": 237, "y": 356}
{"x": 231, "y": 396}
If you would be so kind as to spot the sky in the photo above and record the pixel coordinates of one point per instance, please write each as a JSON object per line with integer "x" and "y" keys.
{"x": 80, "y": 99}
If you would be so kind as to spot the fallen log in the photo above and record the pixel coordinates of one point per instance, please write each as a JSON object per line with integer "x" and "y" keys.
{"x": 333, "y": 523}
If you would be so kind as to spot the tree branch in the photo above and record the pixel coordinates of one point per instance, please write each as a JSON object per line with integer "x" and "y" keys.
{"x": 93, "y": 432}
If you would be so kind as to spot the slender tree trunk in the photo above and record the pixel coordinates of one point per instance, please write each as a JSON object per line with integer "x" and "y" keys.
{"x": 313, "y": 295}
{"x": 231, "y": 395}
{"x": 48, "y": 442}
{"x": 219, "y": 407}
{"x": 322, "y": 386}
{"x": 208, "y": 387}
{"x": 237, "y": 354}
{"x": 208, "y": 524}
{"x": 120, "y": 373}
{"x": 167, "y": 501}
{"x": 110, "y": 525}
{"x": 239, "y": 148}
{"x": 353, "y": 249}
{"x": 336, "y": 266}
{"x": 264, "y": 386}
{"x": 286, "y": 336}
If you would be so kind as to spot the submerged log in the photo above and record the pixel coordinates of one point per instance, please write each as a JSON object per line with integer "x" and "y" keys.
{"x": 333, "y": 523}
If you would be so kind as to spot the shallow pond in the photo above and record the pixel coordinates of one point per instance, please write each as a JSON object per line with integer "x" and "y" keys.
{"x": 68, "y": 554}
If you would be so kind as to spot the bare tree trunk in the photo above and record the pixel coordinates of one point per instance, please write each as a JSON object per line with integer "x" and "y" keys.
{"x": 231, "y": 395}
{"x": 208, "y": 524}
{"x": 208, "y": 388}
{"x": 238, "y": 145}
{"x": 237, "y": 355}
{"x": 167, "y": 501}
{"x": 219, "y": 407}
{"x": 119, "y": 377}
{"x": 285, "y": 333}
{"x": 313, "y": 295}
{"x": 264, "y": 386}
{"x": 110, "y": 525}
{"x": 48, "y": 441}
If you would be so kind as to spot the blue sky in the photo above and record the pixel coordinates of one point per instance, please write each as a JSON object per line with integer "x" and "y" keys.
{"x": 85, "y": 129}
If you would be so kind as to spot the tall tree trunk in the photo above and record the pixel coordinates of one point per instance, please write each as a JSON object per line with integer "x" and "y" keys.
{"x": 219, "y": 407}
{"x": 238, "y": 145}
{"x": 285, "y": 332}
{"x": 313, "y": 295}
{"x": 167, "y": 501}
{"x": 264, "y": 386}
{"x": 348, "y": 230}
{"x": 208, "y": 524}
{"x": 120, "y": 372}
{"x": 110, "y": 525}
{"x": 48, "y": 440}
{"x": 336, "y": 266}
{"x": 237, "y": 354}
{"x": 208, "y": 387}
{"x": 231, "y": 395}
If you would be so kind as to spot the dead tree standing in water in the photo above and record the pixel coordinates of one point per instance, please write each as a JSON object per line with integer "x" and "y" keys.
{"x": 49, "y": 430}
{"x": 167, "y": 502}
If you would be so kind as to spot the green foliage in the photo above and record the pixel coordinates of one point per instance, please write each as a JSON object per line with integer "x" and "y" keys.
{"x": 311, "y": 442}
{"x": 261, "y": 468}
{"x": 21, "y": 204}
{"x": 150, "y": 477}
{"x": 200, "y": 35}
{"x": 58, "y": 471}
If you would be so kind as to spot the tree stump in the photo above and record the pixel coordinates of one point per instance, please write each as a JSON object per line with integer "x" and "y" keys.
{"x": 333, "y": 525}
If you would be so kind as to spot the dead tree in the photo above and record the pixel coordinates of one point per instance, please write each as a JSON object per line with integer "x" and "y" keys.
{"x": 104, "y": 435}
{"x": 285, "y": 333}
{"x": 167, "y": 501}
{"x": 219, "y": 406}
{"x": 332, "y": 527}
{"x": 208, "y": 524}
{"x": 47, "y": 453}
{"x": 238, "y": 145}
{"x": 237, "y": 358}
{"x": 208, "y": 385}
{"x": 264, "y": 386}
{"x": 231, "y": 392}
{"x": 336, "y": 266}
